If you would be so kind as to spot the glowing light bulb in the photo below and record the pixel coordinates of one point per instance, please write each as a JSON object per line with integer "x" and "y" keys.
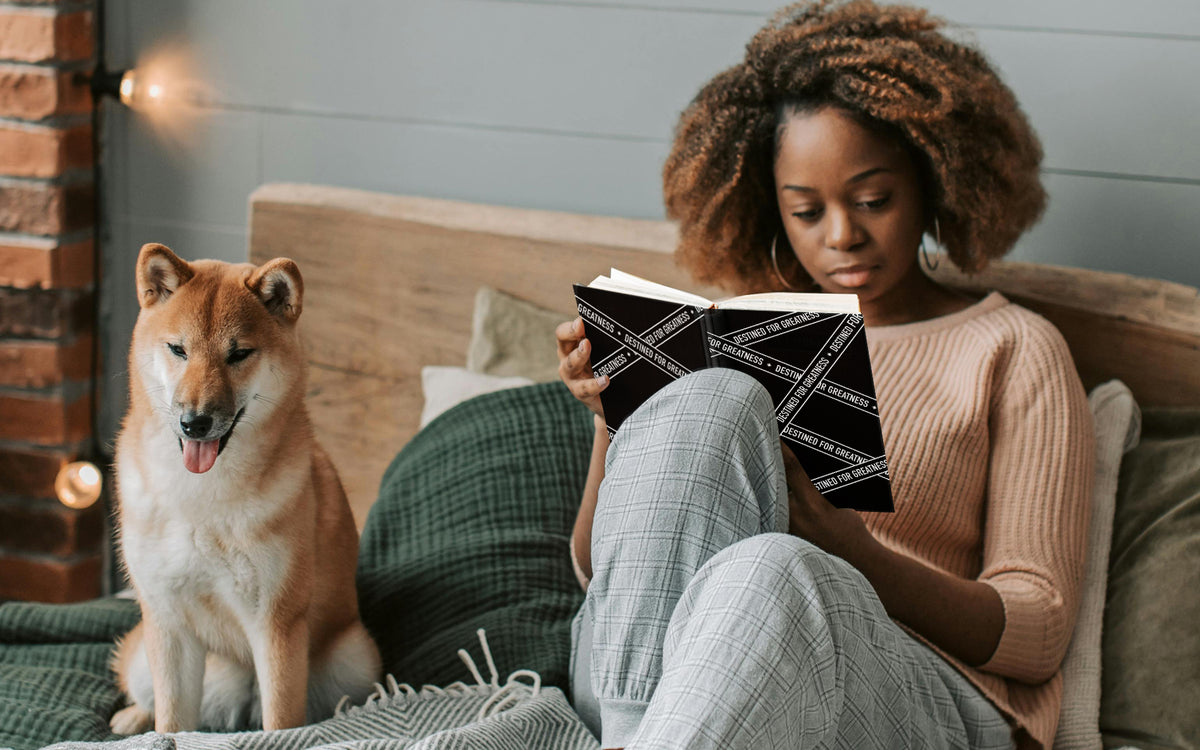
{"x": 78, "y": 484}
{"x": 136, "y": 92}
{"x": 127, "y": 88}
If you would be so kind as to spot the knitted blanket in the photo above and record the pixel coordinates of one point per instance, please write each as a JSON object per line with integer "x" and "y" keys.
{"x": 399, "y": 718}
{"x": 486, "y": 715}
{"x": 470, "y": 530}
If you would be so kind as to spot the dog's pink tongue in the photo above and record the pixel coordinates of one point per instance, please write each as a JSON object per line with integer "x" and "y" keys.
{"x": 199, "y": 457}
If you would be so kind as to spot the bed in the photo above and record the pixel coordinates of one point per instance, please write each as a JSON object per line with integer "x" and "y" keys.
{"x": 465, "y": 522}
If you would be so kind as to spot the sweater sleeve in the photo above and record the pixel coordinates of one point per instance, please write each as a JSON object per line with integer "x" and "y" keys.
{"x": 1038, "y": 502}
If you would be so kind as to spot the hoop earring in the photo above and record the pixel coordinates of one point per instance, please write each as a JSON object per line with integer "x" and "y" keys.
{"x": 775, "y": 265}
{"x": 925, "y": 253}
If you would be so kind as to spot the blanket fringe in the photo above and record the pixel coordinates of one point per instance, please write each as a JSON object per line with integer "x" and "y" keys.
{"x": 499, "y": 698}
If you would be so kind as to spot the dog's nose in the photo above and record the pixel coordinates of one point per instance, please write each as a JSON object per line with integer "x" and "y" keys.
{"x": 195, "y": 426}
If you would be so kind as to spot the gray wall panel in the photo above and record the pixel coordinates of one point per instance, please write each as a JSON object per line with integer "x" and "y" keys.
{"x": 1101, "y": 103}
{"x": 1128, "y": 226}
{"x": 535, "y": 67}
{"x": 565, "y": 173}
{"x": 527, "y": 67}
{"x": 1166, "y": 17}
{"x": 197, "y": 169}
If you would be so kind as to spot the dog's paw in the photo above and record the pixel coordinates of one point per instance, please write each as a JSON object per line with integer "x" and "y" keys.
{"x": 131, "y": 720}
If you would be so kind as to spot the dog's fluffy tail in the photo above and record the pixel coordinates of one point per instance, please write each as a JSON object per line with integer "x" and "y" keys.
{"x": 350, "y": 668}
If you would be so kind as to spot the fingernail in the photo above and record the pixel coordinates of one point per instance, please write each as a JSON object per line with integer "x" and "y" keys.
{"x": 579, "y": 325}
{"x": 602, "y": 380}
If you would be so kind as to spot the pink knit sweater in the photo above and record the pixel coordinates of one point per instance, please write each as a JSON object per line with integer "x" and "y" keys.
{"x": 989, "y": 445}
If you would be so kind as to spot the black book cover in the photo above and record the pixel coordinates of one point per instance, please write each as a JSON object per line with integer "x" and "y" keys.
{"x": 815, "y": 365}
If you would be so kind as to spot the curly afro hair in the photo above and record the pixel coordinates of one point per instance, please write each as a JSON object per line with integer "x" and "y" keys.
{"x": 890, "y": 69}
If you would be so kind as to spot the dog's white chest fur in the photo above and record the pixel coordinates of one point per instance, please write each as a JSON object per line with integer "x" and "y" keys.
{"x": 203, "y": 553}
{"x": 186, "y": 561}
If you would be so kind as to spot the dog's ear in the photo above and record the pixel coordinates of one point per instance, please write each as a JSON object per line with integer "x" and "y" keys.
{"x": 280, "y": 286}
{"x": 160, "y": 273}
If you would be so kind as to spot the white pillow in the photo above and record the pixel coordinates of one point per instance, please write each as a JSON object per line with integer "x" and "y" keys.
{"x": 1118, "y": 424}
{"x": 446, "y": 386}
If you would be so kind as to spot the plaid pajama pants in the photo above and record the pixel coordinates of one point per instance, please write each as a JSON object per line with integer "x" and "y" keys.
{"x": 703, "y": 626}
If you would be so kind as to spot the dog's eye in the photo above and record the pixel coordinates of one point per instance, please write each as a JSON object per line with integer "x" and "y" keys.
{"x": 177, "y": 350}
{"x": 239, "y": 354}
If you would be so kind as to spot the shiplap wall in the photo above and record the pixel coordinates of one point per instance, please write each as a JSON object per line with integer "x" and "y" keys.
{"x": 570, "y": 104}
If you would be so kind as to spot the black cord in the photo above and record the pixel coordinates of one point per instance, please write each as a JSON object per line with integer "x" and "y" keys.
{"x": 94, "y": 448}
{"x": 102, "y": 82}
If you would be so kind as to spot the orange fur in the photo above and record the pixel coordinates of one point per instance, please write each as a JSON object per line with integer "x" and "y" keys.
{"x": 250, "y": 562}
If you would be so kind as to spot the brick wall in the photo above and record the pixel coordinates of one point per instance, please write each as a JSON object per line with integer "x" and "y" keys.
{"x": 47, "y": 284}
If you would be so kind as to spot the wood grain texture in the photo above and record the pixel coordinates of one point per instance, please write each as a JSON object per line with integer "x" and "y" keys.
{"x": 390, "y": 285}
{"x": 1144, "y": 332}
{"x": 390, "y": 282}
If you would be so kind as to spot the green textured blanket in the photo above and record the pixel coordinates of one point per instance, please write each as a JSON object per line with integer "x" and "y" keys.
{"x": 470, "y": 531}
{"x": 54, "y": 678}
{"x": 483, "y": 716}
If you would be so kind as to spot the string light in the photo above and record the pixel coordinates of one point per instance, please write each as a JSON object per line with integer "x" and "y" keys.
{"x": 163, "y": 80}
{"x": 127, "y": 85}
{"x": 131, "y": 87}
{"x": 78, "y": 484}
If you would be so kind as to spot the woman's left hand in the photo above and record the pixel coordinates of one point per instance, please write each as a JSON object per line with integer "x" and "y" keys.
{"x": 838, "y": 531}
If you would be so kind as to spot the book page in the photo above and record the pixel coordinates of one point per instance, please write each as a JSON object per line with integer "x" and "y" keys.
{"x": 832, "y": 303}
{"x": 619, "y": 281}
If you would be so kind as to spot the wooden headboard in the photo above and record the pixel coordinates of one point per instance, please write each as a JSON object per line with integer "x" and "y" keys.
{"x": 390, "y": 283}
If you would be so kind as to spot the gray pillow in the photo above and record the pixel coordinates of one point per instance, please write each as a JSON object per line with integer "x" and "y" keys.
{"x": 510, "y": 336}
{"x": 1151, "y": 643}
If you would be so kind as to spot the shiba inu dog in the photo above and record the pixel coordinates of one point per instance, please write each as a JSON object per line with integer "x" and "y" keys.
{"x": 235, "y": 530}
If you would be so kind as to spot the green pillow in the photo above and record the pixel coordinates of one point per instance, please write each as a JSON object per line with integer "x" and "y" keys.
{"x": 1151, "y": 652}
{"x": 471, "y": 530}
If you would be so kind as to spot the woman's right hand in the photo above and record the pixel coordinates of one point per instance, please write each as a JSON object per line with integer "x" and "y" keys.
{"x": 575, "y": 365}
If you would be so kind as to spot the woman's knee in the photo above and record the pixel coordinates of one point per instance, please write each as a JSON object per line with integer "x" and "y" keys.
{"x": 721, "y": 390}
{"x": 709, "y": 441}
{"x": 717, "y": 400}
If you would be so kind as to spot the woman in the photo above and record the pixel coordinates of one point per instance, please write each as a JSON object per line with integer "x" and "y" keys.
{"x": 817, "y": 164}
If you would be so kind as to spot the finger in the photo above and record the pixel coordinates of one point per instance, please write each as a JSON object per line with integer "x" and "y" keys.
{"x": 568, "y": 335}
{"x": 574, "y": 379}
{"x": 793, "y": 470}
{"x": 588, "y": 389}
{"x": 569, "y": 330}
{"x": 789, "y": 458}
{"x": 583, "y": 350}
{"x": 565, "y": 348}
{"x": 571, "y": 366}
{"x": 787, "y": 449}
{"x": 580, "y": 358}
{"x": 595, "y": 385}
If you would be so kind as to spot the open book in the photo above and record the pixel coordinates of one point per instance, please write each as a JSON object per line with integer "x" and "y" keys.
{"x": 808, "y": 350}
